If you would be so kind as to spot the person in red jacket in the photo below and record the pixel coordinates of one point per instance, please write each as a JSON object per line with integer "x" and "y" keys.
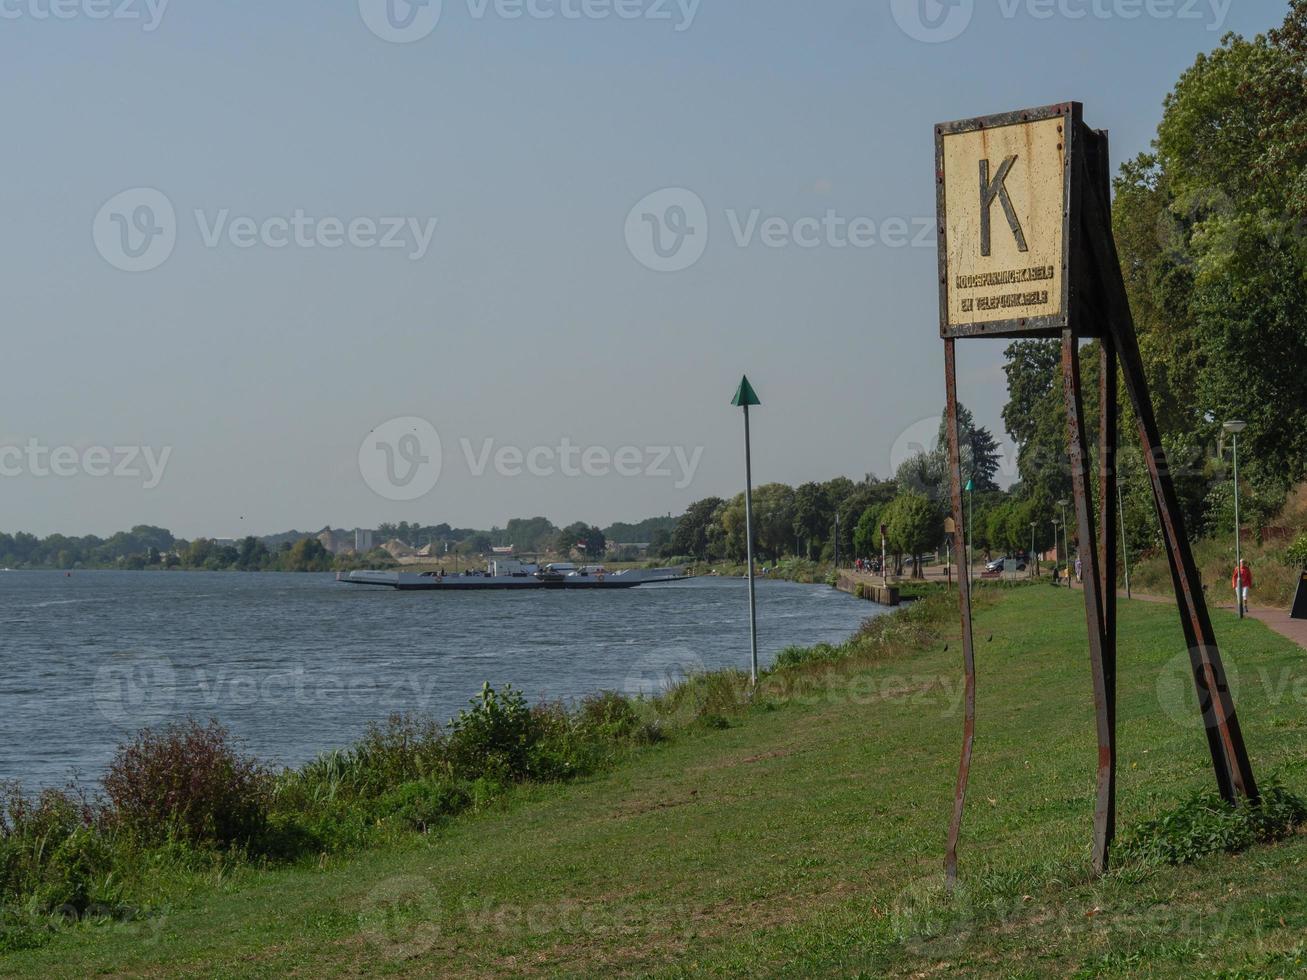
{"x": 1242, "y": 582}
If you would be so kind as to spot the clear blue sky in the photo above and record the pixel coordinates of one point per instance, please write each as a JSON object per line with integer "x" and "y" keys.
{"x": 528, "y": 320}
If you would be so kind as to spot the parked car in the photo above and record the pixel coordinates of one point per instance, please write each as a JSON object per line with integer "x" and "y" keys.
{"x": 999, "y": 564}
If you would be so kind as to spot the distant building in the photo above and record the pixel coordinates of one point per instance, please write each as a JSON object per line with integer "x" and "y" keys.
{"x": 336, "y": 542}
{"x": 363, "y": 541}
{"x": 398, "y": 549}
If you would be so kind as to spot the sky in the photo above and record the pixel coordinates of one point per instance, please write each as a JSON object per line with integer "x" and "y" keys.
{"x": 283, "y": 265}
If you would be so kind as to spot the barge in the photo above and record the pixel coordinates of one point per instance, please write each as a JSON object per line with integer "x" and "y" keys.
{"x": 514, "y": 576}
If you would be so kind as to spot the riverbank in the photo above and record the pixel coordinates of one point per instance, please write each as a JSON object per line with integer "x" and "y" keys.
{"x": 800, "y": 832}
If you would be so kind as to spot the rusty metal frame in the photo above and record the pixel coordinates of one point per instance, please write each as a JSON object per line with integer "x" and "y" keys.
{"x": 1096, "y": 306}
{"x": 1045, "y": 326}
{"x": 1229, "y": 752}
{"x": 964, "y": 604}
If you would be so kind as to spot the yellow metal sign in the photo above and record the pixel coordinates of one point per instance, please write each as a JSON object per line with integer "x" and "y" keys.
{"x": 1004, "y": 215}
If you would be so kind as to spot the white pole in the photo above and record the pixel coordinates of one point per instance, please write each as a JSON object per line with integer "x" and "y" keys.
{"x": 1238, "y": 543}
{"x": 748, "y": 533}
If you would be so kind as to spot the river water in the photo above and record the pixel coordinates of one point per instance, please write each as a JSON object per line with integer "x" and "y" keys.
{"x": 295, "y": 665}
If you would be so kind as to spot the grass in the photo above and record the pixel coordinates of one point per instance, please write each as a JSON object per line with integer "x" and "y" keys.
{"x": 803, "y": 835}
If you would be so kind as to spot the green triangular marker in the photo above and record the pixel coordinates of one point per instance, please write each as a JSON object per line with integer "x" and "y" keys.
{"x": 745, "y": 395}
{"x": 970, "y": 486}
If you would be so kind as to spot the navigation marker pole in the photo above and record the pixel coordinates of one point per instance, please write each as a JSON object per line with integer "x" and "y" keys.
{"x": 744, "y": 397}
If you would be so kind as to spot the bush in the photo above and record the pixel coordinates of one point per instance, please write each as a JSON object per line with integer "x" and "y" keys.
{"x": 1205, "y": 824}
{"x": 423, "y": 805}
{"x": 188, "y": 782}
{"x": 494, "y": 736}
{"x": 610, "y": 717}
{"x": 78, "y": 873}
{"x": 50, "y": 848}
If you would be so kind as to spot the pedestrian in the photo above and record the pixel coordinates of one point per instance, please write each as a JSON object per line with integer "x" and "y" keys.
{"x": 1242, "y": 581}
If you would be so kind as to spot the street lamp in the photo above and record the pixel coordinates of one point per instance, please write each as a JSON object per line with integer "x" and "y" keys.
{"x": 1234, "y": 427}
{"x": 1031, "y": 561}
{"x": 1066, "y": 540}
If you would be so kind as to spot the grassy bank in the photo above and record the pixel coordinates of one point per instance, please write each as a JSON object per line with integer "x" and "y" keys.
{"x": 799, "y": 833}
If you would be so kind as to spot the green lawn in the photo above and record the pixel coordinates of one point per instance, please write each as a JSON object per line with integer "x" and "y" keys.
{"x": 808, "y": 838}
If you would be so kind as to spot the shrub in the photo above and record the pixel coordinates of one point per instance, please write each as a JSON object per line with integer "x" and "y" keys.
{"x": 609, "y": 716}
{"x": 401, "y": 750}
{"x": 77, "y": 874}
{"x": 422, "y": 805}
{"x": 52, "y": 850}
{"x": 1205, "y": 824}
{"x": 494, "y": 736}
{"x": 188, "y": 782}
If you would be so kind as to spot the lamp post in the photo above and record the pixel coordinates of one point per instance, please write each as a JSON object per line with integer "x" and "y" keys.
{"x": 1234, "y": 427}
{"x": 1066, "y": 540}
{"x": 971, "y": 526}
{"x": 1034, "y": 563}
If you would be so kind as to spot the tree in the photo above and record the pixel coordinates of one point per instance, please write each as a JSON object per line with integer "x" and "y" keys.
{"x": 773, "y": 523}
{"x": 530, "y": 534}
{"x": 977, "y": 447}
{"x": 1212, "y": 230}
{"x": 926, "y": 473}
{"x": 866, "y": 535}
{"x": 582, "y": 537}
{"x": 870, "y": 493}
{"x": 916, "y": 525}
{"x": 694, "y": 531}
{"x": 814, "y": 517}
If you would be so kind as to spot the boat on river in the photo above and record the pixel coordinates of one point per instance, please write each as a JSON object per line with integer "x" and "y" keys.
{"x": 514, "y": 576}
